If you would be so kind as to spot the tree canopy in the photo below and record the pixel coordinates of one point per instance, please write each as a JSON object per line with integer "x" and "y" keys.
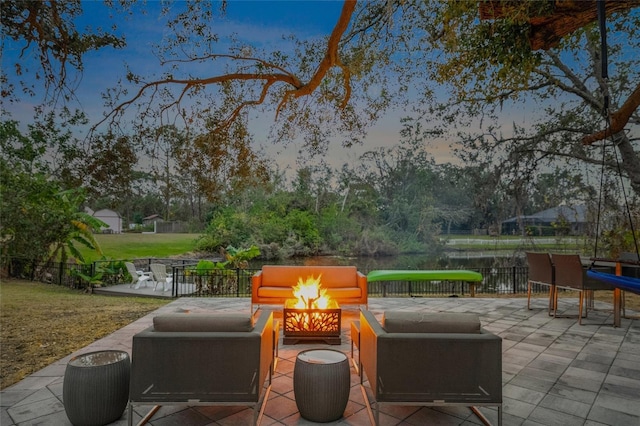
{"x": 457, "y": 66}
{"x": 549, "y": 22}
{"x": 47, "y": 29}
{"x": 390, "y": 55}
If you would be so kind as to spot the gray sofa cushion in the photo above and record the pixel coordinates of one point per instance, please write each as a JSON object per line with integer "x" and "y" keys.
{"x": 420, "y": 322}
{"x": 203, "y": 322}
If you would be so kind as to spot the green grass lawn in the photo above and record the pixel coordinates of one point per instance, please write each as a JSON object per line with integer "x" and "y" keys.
{"x": 131, "y": 246}
{"x": 511, "y": 242}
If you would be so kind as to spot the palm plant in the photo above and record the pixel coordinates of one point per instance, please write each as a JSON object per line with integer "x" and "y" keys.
{"x": 76, "y": 227}
{"x": 82, "y": 228}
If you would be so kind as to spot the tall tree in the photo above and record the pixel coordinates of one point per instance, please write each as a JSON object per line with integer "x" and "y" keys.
{"x": 560, "y": 186}
{"x": 47, "y": 147}
{"x": 43, "y": 221}
{"x": 162, "y": 150}
{"x": 404, "y": 177}
{"x": 110, "y": 168}
{"x": 220, "y": 163}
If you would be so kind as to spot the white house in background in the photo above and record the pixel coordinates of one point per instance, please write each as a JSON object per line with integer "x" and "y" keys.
{"x": 110, "y": 217}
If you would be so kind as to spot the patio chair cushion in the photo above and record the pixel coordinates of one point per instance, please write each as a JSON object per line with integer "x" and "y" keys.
{"x": 420, "y": 322}
{"x": 203, "y": 323}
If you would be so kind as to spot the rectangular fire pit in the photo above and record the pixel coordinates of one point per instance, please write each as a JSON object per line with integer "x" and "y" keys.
{"x": 304, "y": 324}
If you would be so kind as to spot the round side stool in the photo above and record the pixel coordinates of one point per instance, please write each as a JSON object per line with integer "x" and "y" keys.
{"x": 95, "y": 390}
{"x": 321, "y": 384}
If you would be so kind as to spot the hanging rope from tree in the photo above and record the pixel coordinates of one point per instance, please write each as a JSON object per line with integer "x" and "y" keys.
{"x": 604, "y": 70}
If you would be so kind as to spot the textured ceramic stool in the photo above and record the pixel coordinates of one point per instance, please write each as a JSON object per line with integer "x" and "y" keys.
{"x": 321, "y": 384}
{"x": 96, "y": 387}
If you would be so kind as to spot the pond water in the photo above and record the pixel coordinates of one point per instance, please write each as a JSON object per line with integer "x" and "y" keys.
{"x": 451, "y": 260}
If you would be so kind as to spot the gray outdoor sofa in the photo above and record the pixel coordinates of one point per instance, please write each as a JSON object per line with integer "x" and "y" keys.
{"x": 198, "y": 359}
{"x": 437, "y": 359}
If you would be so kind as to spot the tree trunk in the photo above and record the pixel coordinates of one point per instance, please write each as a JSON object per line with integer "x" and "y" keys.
{"x": 630, "y": 160}
{"x": 567, "y": 16}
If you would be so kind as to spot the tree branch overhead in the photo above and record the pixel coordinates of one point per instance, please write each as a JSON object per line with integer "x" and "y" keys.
{"x": 298, "y": 87}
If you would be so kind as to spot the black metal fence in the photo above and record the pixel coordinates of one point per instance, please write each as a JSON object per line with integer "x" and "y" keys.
{"x": 66, "y": 274}
{"x": 504, "y": 280}
{"x": 194, "y": 282}
{"x": 197, "y": 282}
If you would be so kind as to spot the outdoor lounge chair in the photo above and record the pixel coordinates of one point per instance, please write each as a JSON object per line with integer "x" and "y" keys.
{"x": 541, "y": 273}
{"x": 437, "y": 359}
{"x": 570, "y": 274}
{"x": 203, "y": 359}
{"x": 159, "y": 272}
{"x": 137, "y": 277}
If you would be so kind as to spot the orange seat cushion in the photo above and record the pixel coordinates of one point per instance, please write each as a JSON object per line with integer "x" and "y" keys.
{"x": 330, "y": 276}
{"x": 287, "y": 292}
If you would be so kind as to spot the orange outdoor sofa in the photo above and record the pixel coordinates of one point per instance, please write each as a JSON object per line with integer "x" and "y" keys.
{"x": 274, "y": 283}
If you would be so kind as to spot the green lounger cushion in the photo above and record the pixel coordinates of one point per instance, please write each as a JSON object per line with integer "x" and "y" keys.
{"x": 426, "y": 275}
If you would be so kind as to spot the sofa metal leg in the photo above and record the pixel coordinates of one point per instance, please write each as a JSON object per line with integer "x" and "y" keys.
{"x": 276, "y": 341}
{"x": 582, "y": 302}
{"x": 551, "y": 303}
{"x": 260, "y": 406}
{"x": 483, "y": 418}
{"x": 355, "y": 341}
{"x": 373, "y": 419}
{"x": 150, "y": 414}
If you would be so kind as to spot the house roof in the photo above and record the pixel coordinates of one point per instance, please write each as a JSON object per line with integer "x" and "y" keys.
{"x": 106, "y": 213}
{"x": 573, "y": 214}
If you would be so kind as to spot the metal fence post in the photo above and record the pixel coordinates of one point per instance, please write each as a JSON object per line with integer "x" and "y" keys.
{"x": 174, "y": 281}
{"x": 237, "y": 282}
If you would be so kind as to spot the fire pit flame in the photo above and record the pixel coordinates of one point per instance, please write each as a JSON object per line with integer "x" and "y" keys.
{"x": 310, "y": 295}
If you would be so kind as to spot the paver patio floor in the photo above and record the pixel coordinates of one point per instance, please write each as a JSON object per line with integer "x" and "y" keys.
{"x": 555, "y": 372}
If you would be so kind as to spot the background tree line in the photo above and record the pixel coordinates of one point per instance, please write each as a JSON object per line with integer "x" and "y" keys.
{"x": 392, "y": 200}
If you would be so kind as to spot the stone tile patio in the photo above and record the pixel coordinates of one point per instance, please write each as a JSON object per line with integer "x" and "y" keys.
{"x": 555, "y": 372}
